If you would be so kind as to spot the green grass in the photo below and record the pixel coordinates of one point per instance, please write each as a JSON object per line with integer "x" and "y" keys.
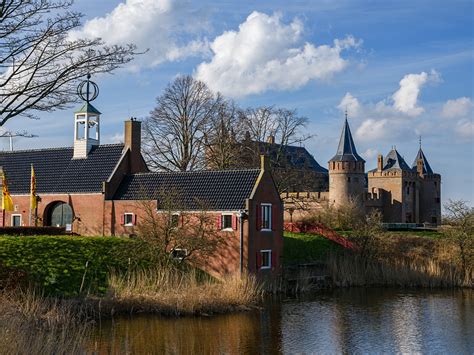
{"x": 300, "y": 248}
{"x": 60, "y": 264}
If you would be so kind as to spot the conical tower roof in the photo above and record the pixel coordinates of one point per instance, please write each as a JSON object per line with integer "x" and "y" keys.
{"x": 426, "y": 166}
{"x": 346, "y": 151}
{"x": 394, "y": 160}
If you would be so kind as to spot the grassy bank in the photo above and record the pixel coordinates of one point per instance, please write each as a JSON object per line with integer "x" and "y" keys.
{"x": 69, "y": 266}
{"x": 407, "y": 259}
{"x": 300, "y": 248}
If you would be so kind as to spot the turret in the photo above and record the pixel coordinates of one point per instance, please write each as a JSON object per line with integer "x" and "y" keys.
{"x": 346, "y": 171}
{"x": 86, "y": 121}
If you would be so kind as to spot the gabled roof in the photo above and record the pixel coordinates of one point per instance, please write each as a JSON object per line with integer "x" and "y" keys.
{"x": 224, "y": 190}
{"x": 57, "y": 172}
{"x": 426, "y": 166}
{"x": 346, "y": 151}
{"x": 291, "y": 156}
{"x": 394, "y": 160}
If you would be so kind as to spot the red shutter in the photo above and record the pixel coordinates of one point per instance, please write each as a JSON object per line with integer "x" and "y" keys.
{"x": 219, "y": 222}
{"x": 258, "y": 217}
{"x": 259, "y": 260}
{"x": 234, "y": 222}
{"x": 122, "y": 219}
{"x": 134, "y": 219}
{"x": 273, "y": 261}
{"x": 274, "y": 216}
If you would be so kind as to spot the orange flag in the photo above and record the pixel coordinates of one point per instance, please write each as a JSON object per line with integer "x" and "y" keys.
{"x": 7, "y": 203}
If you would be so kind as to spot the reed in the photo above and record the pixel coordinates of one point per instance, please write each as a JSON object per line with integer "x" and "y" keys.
{"x": 353, "y": 270}
{"x": 33, "y": 324}
{"x": 175, "y": 292}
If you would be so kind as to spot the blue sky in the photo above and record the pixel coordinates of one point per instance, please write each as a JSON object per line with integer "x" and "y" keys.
{"x": 401, "y": 68}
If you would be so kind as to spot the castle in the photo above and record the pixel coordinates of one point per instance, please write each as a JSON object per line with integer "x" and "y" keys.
{"x": 403, "y": 194}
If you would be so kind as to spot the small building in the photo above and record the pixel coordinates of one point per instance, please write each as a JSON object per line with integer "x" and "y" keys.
{"x": 99, "y": 189}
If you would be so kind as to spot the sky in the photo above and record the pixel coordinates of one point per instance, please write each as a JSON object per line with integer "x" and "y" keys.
{"x": 402, "y": 69}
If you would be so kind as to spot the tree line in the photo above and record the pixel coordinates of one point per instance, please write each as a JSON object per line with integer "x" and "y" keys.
{"x": 192, "y": 128}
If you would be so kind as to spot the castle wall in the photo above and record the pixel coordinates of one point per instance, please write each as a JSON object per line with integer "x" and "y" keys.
{"x": 430, "y": 200}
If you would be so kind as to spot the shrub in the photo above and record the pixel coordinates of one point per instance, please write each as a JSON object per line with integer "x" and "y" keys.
{"x": 67, "y": 265}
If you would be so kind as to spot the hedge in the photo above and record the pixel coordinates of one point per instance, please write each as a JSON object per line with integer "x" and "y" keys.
{"x": 58, "y": 264}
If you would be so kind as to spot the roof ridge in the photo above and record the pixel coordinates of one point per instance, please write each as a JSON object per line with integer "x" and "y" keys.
{"x": 52, "y": 148}
{"x": 195, "y": 171}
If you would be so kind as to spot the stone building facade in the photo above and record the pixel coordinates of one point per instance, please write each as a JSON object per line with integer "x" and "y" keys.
{"x": 403, "y": 193}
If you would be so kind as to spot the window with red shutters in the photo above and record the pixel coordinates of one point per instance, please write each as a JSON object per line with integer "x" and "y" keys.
{"x": 122, "y": 219}
{"x": 258, "y": 216}
{"x": 219, "y": 222}
{"x": 234, "y": 222}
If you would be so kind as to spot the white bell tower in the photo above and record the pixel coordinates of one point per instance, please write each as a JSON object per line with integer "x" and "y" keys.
{"x": 86, "y": 121}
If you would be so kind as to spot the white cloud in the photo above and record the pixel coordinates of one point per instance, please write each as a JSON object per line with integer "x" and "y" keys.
{"x": 457, "y": 108}
{"x": 162, "y": 26}
{"x": 465, "y": 128}
{"x": 405, "y": 99}
{"x": 351, "y": 104}
{"x": 267, "y": 54}
{"x": 369, "y": 154}
{"x": 372, "y": 129}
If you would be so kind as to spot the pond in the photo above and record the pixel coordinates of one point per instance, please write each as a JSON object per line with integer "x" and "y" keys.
{"x": 355, "y": 320}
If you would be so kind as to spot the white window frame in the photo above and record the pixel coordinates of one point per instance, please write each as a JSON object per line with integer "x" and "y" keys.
{"x": 262, "y": 216}
{"x": 179, "y": 249}
{"x": 228, "y": 229}
{"x": 125, "y": 219}
{"x": 269, "y": 266}
{"x": 17, "y": 215}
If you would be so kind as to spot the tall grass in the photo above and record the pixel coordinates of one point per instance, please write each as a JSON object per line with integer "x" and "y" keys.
{"x": 174, "y": 292}
{"x": 33, "y": 324}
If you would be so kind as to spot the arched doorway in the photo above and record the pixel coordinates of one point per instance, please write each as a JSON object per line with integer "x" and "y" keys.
{"x": 59, "y": 215}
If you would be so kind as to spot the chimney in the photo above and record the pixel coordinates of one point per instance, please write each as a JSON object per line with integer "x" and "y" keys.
{"x": 271, "y": 139}
{"x": 379, "y": 163}
{"x": 132, "y": 140}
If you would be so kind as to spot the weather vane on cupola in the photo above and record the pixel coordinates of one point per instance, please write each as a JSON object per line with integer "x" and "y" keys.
{"x": 91, "y": 90}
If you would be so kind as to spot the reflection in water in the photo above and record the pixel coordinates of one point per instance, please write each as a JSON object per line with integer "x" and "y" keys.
{"x": 351, "y": 320}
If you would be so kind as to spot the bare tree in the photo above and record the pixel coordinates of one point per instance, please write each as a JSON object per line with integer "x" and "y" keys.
{"x": 222, "y": 144}
{"x": 40, "y": 62}
{"x": 174, "y": 133}
{"x": 459, "y": 228}
{"x": 171, "y": 229}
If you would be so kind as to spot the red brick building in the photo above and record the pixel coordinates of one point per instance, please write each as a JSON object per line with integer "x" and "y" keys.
{"x": 94, "y": 189}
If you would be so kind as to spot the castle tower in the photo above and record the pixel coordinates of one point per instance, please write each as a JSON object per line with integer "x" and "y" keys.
{"x": 346, "y": 171}
{"x": 86, "y": 121}
{"x": 430, "y": 190}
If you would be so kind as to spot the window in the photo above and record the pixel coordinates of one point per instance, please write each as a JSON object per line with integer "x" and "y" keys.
{"x": 348, "y": 179}
{"x": 175, "y": 220}
{"x": 16, "y": 220}
{"x": 265, "y": 259}
{"x": 128, "y": 219}
{"x": 266, "y": 224}
{"x": 408, "y": 190}
{"x": 226, "y": 221}
{"x": 437, "y": 200}
{"x": 93, "y": 129}
{"x": 179, "y": 254}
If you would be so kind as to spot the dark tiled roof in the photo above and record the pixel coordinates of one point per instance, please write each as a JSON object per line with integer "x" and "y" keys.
{"x": 394, "y": 160}
{"x": 291, "y": 156}
{"x": 213, "y": 190}
{"x": 426, "y": 166}
{"x": 57, "y": 172}
{"x": 346, "y": 151}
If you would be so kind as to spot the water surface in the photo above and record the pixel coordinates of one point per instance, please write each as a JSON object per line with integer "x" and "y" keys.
{"x": 355, "y": 320}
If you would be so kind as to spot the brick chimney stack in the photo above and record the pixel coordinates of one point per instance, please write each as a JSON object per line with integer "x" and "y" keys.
{"x": 133, "y": 142}
{"x": 379, "y": 163}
